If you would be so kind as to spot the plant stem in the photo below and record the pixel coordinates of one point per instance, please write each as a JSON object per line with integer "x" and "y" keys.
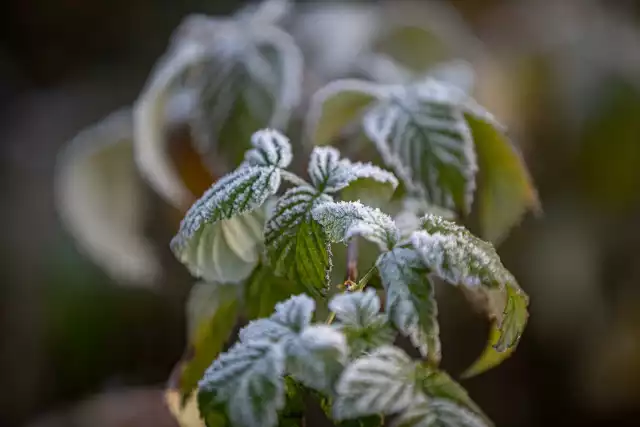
{"x": 352, "y": 261}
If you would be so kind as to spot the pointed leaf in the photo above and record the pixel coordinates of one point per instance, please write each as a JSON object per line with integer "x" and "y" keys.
{"x": 411, "y": 303}
{"x": 380, "y": 382}
{"x": 248, "y": 380}
{"x": 212, "y": 314}
{"x": 100, "y": 200}
{"x": 457, "y": 256}
{"x": 337, "y": 106}
{"x": 316, "y": 358}
{"x": 358, "y": 317}
{"x": 505, "y": 191}
{"x": 421, "y": 133}
{"x": 296, "y": 245}
{"x": 343, "y": 220}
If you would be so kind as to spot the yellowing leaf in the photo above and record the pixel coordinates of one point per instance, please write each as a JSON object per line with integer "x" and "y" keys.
{"x": 505, "y": 191}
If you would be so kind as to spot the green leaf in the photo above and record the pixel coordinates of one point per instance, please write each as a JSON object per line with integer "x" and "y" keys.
{"x": 211, "y": 316}
{"x": 342, "y": 221}
{"x": 505, "y": 191}
{"x": 264, "y": 290}
{"x": 420, "y": 132}
{"x": 410, "y": 302}
{"x": 380, "y": 382}
{"x": 296, "y": 245}
{"x": 359, "y": 319}
{"x": 221, "y": 235}
{"x": 291, "y": 317}
{"x": 337, "y": 106}
{"x": 248, "y": 380}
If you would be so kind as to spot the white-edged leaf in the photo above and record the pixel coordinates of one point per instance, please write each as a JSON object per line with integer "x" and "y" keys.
{"x": 410, "y": 303}
{"x": 100, "y": 200}
{"x": 317, "y": 357}
{"x": 291, "y": 317}
{"x": 439, "y": 413}
{"x": 269, "y": 148}
{"x": 248, "y": 380}
{"x": 330, "y": 174}
{"x": 409, "y": 218}
{"x": 380, "y": 382}
{"x": 343, "y": 220}
{"x": 296, "y": 245}
{"x": 421, "y": 133}
{"x": 230, "y": 209}
{"x": 455, "y": 255}
{"x": 337, "y": 106}
{"x": 358, "y": 317}
{"x": 150, "y": 124}
{"x": 252, "y": 79}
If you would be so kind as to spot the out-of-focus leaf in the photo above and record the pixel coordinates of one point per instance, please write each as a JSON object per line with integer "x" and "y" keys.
{"x": 337, "y": 106}
{"x": 264, "y": 290}
{"x": 100, "y": 199}
{"x": 211, "y": 313}
{"x": 505, "y": 191}
{"x": 187, "y": 414}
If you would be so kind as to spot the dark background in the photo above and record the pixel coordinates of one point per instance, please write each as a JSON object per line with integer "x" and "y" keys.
{"x": 68, "y": 333}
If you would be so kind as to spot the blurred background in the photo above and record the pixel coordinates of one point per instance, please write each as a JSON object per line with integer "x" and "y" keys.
{"x": 77, "y": 348}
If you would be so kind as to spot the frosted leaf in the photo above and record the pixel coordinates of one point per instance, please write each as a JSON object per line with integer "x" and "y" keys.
{"x": 317, "y": 357}
{"x": 454, "y": 254}
{"x": 421, "y": 133}
{"x": 296, "y": 246}
{"x": 358, "y": 317}
{"x": 252, "y": 80}
{"x": 248, "y": 380}
{"x": 343, "y": 220}
{"x": 265, "y": 12}
{"x": 290, "y": 317}
{"x": 227, "y": 209}
{"x": 337, "y": 106}
{"x": 439, "y": 413}
{"x": 270, "y": 148}
{"x": 100, "y": 200}
{"x": 413, "y": 209}
{"x": 380, "y": 382}
{"x": 410, "y": 303}
{"x": 150, "y": 124}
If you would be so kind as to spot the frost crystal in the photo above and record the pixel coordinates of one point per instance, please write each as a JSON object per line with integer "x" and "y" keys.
{"x": 331, "y": 174}
{"x": 344, "y": 220}
{"x": 270, "y": 148}
{"x": 459, "y": 257}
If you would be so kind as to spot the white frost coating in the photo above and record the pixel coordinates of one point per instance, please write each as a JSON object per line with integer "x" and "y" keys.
{"x": 270, "y": 148}
{"x": 421, "y": 133}
{"x": 356, "y": 308}
{"x": 331, "y": 174}
{"x": 227, "y": 209}
{"x": 411, "y": 303}
{"x": 381, "y": 382}
{"x": 413, "y": 209}
{"x": 438, "y": 413}
{"x": 99, "y": 199}
{"x": 317, "y": 357}
{"x": 458, "y": 257}
{"x": 150, "y": 124}
{"x": 290, "y": 317}
{"x": 248, "y": 378}
{"x": 344, "y": 220}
